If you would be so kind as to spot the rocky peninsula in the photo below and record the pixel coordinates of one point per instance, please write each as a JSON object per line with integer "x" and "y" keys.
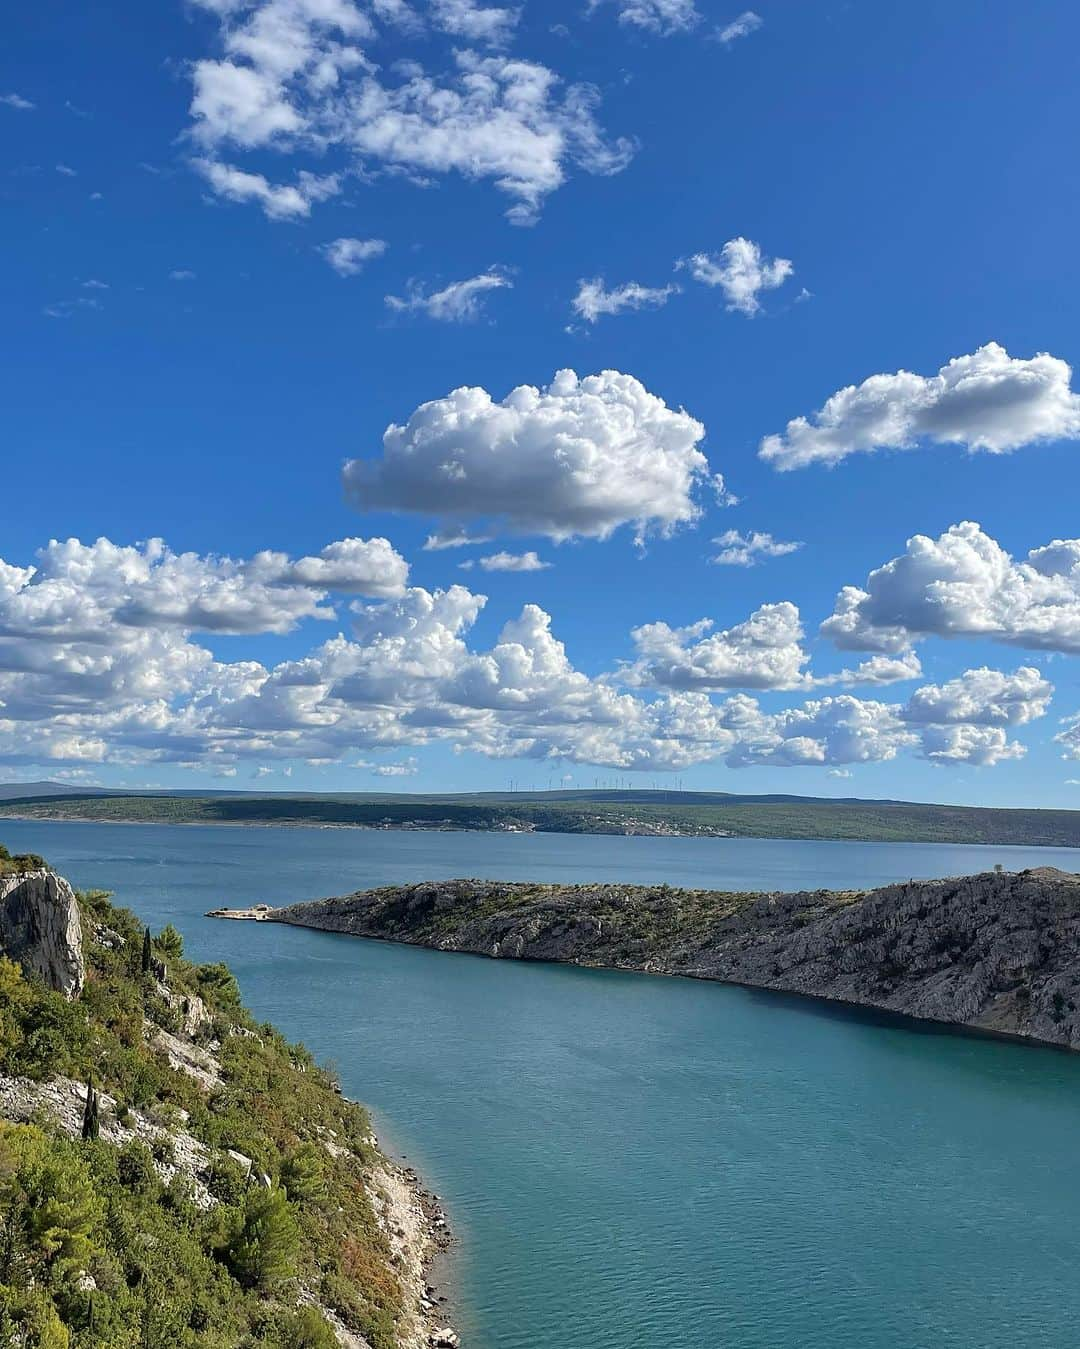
{"x": 996, "y": 952}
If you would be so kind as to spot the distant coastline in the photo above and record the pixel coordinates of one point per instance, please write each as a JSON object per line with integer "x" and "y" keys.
{"x": 654, "y": 814}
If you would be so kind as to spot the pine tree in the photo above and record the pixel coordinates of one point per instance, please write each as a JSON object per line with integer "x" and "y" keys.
{"x": 264, "y": 1248}
{"x": 147, "y": 953}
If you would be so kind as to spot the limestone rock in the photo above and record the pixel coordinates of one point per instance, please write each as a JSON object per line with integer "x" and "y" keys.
{"x": 40, "y": 928}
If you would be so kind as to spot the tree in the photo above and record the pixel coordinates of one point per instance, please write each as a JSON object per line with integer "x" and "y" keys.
{"x": 147, "y": 952}
{"x": 303, "y": 1174}
{"x": 170, "y": 942}
{"x": 264, "y": 1248}
{"x": 91, "y": 1124}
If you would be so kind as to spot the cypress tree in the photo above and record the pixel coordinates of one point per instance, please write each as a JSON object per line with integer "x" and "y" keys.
{"x": 91, "y": 1126}
{"x": 146, "y": 952}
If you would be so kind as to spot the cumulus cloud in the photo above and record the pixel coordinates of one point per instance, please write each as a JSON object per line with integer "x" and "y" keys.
{"x": 878, "y": 670}
{"x": 529, "y": 561}
{"x": 748, "y": 22}
{"x": 347, "y": 256}
{"x": 594, "y": 300}
{"x": 986, "y": 401}
{"x": 278, "y": 201}
{"x": 838, "y": 730}
{"x": 579, "y": 458}
{"x": 982, "y": 697}
{"x": 961, "y": 722}
{"x": 17, "y": 101}
{"x": 98, "y": 665}
{"x": 84, "y": 591}
{"x": 763, "y": 652}
{"x": 490, "y": 24}
{"x": 657, "y": 16}
{"x": 741, "y": 271}
{"x": 459, "y": 302}
{"x": 294, "y": 77}
{"x": 746, "y": 550}
{"x": 964, "y": 584}
{"x": 983, "y": 746}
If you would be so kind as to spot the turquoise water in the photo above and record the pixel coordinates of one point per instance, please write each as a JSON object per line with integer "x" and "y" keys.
{"x": 638, "y": 1163}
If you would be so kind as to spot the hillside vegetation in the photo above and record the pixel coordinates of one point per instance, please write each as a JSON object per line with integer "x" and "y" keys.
{"x": 219, "y": 1190}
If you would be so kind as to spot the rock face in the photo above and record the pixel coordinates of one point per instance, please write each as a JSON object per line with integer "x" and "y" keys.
{"x": 997, "y": 951}
{"x": 40, "y": 928}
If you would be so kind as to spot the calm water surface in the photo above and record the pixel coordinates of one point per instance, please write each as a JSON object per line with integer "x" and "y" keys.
{"x": 638, "y": 1163}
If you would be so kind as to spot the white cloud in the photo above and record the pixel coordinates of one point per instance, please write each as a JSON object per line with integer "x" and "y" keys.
{"x": 878, "y": 670}
{"x": 97, "y": 665}
{"x": 839, "y": 730}
{"x": 741, "y": 271}
{"x": 347, "y": 256}
{"x": 763, "y": 652}
{"x": 293, "y": 78}
{"x": 840, "y": 773}
{"x": 529, "y": 561}
{"x": 407, "y": 768}
{"x": 67, "y": 171}
{"x": 94, "y": 284}
{"x": 964, "y": 584}
{"x": 987, "y": 401}
{"x": 454, "y": 537}
{"x": 961, "y": 722}
{"x": 84, "y": 591}
{"x": 1069, "y": 739}
{"x": 982, "y": 697}
{"x": 579, "y": 458}
{"x": 459, "y": 302}
{"x": 399, "y": 14}
{"x": 280, "y": 201}
{"x": 350, "y": 567}
{"x": 984, "y": 746}
{"x": 17, "y": 101}
{"x": 746, "y": 550}
{"x": 475, "y": 23}
{"x": 593, "y": 300}
{"x": 658, "y": 16}
{"x": 182, "y": 274}
{"x": 748, "y": 22}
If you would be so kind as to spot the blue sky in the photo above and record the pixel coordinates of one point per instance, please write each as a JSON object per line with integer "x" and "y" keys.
{"x": 187, "y": 366}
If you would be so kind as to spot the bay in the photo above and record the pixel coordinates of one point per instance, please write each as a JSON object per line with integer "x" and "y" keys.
{"x": 654, "y": 1163}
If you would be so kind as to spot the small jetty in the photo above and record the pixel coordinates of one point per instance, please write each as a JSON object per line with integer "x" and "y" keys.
{"x": 256, "y": 913}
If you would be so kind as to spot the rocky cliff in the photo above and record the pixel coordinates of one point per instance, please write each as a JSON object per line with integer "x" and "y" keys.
{"x": 998, "y": 951}
{"x": 40, "y": 928}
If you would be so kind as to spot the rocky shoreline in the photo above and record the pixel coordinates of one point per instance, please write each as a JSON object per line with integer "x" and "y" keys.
{"x": 997, "y": 952}
{"x": 416, "y": 1224}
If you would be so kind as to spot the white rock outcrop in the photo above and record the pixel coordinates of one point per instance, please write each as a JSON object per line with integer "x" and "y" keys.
{"x": 40, "y": 928}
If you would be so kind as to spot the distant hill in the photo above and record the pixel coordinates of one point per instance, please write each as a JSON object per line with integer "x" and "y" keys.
{"x": 11, "y": 790}
{"x": 645, "y": 812}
